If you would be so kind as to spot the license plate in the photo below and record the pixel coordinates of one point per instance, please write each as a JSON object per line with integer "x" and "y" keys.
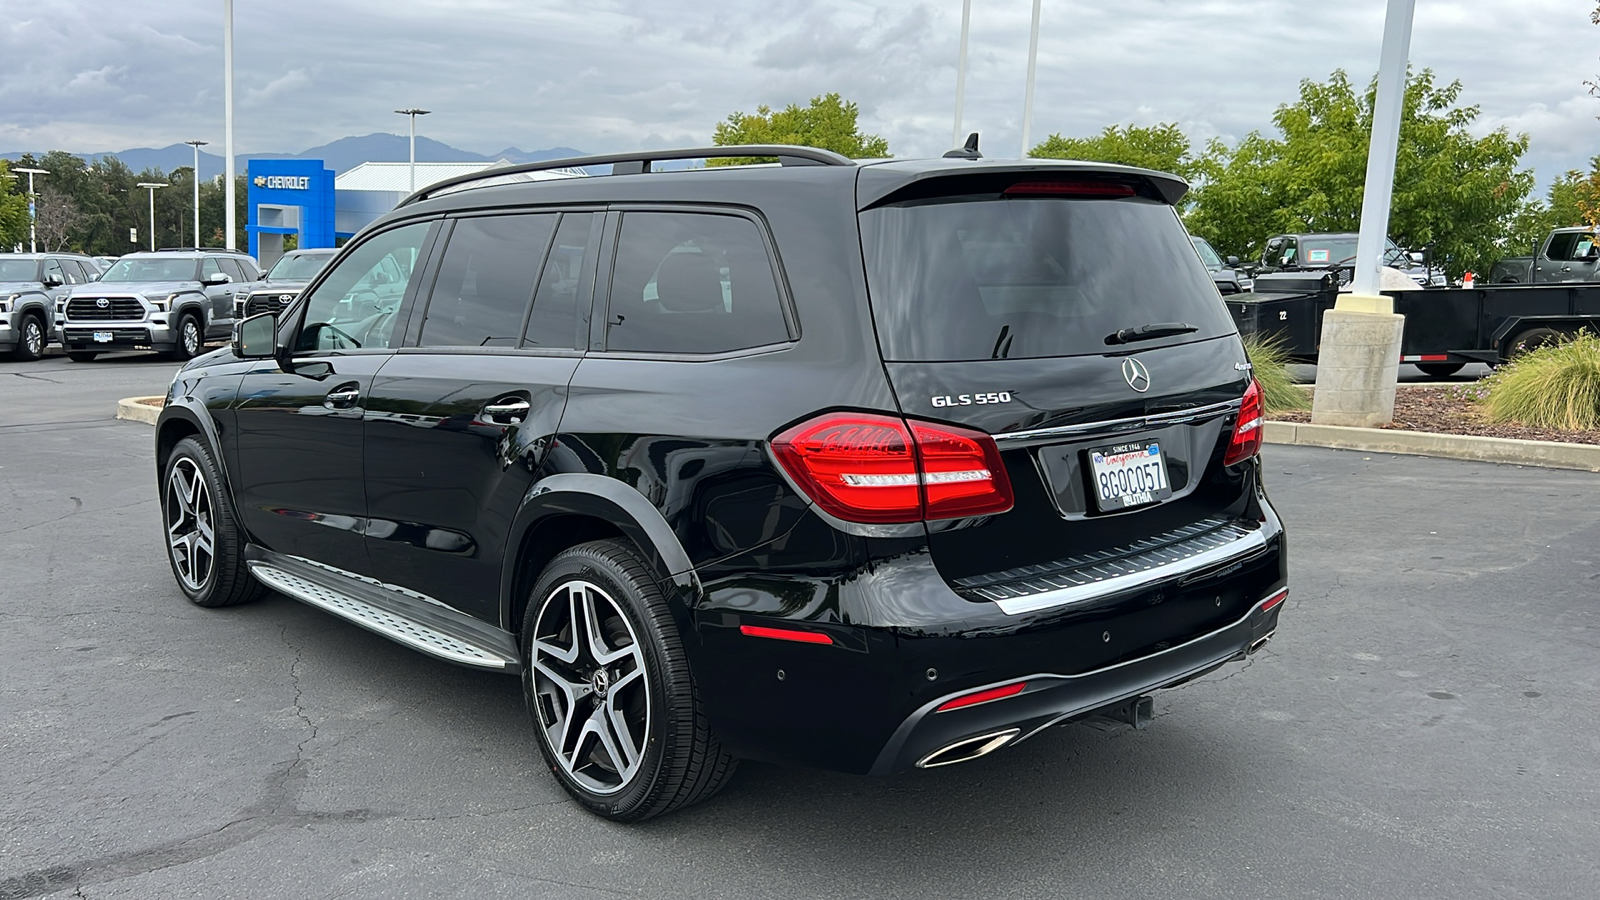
{"x": 102, "y": 337}
{"x": 1129, "y": 475}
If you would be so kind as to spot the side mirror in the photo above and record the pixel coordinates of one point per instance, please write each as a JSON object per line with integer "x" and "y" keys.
{"x": 52, "y": 281}
{"x": 1416, "y": 256}
{"x": 1233, "y": 262}
{"x": 216, "y": 278}
{"x": 256, "y": 337}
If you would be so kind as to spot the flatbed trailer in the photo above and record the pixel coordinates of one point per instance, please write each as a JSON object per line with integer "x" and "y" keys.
{"x": 1445, "y": 329}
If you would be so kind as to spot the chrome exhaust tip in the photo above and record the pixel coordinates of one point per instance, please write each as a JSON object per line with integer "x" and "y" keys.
{"x": 1260, "y": 642}
{"x": 968, "y": 749}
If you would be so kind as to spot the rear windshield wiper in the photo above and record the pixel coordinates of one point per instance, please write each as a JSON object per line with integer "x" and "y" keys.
{"x": 1146, "y": 332}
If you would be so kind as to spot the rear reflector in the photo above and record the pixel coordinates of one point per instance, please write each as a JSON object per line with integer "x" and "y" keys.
{"x": 863, "y": 467}
{"x": 1246, "y": 439}
{"x": 1273, "y": 601}
{"x": 1072, "y": 188}
{"x": 785, "y": 634}
{"x": 984, "y": 696}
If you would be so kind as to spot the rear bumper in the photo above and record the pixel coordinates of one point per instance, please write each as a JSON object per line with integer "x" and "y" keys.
{"x": 1048, "y": 699}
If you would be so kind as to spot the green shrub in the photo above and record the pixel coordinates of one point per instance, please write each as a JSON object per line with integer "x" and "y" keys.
{"x": 1269, "y": 362}
{"x": 1556, "y": 386}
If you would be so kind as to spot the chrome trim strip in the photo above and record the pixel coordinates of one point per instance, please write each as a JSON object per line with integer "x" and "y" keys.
{"x": 1087, "y": 429}
{"x": 1248, "y": 543}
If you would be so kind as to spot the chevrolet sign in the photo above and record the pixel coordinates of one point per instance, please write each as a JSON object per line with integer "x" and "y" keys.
{"x": 283, "y": 182}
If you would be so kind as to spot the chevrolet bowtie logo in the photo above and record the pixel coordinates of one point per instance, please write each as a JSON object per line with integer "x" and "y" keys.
{"x": 261, "y": 181}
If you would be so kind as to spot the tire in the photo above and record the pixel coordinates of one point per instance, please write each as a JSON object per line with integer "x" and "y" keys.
{"x": 31, "y": 339}
{"x": 1440, "y": 370}
{"x": 641, "y": 702}
{"x": 191, "y": 338}
{"x": 82, "y": 355}
{"x": 1509, "y": 279}
{"x": 209, "y": 572}
{"x": 1532, "y": 339}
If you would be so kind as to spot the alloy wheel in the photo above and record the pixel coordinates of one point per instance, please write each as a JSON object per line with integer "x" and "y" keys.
{"x": 592, "y": 697}
{"x": 190, "y": 537}
{"x": 33, "y": 337}
{"x": 191, "y": 338}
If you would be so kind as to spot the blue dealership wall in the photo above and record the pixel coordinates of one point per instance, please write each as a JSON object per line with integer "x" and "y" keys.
{"x": 305, "y": 183}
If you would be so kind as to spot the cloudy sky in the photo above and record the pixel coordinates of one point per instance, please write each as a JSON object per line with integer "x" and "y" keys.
{"x": 608, "y": 75}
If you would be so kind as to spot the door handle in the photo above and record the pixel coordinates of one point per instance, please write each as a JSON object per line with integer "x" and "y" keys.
{"x": 507, "y": 411}
{"x": 344, "y": 396}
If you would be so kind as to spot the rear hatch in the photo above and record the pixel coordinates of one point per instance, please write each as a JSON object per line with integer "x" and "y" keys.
{"x": 1069, "y": 316}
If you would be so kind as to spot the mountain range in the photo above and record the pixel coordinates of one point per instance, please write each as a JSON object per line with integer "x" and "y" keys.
{"x": 340, "y": 155}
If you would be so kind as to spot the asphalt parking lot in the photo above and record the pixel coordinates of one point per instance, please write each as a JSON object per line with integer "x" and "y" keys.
{"x": 1424, "y": 725}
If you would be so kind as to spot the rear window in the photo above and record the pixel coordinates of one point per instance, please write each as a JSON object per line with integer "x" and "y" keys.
{"x": 993, "y": 277}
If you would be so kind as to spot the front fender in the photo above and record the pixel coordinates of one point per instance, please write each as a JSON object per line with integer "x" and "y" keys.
{"x": 607, "y": 499}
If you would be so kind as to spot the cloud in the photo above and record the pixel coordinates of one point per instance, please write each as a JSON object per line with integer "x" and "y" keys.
{"x": 612, "y": 75}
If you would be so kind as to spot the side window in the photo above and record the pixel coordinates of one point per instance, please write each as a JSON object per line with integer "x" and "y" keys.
{"x": 355, "y": 305}
{"x": 486, "y": 281}
{"x": 692, "y": 283}
{"x": 235, "y": 271}
{"x": 53, "y": 268}
{"x": 564, "y": 280}
{"x": 72, "y": 271}
{"x": 209, "y": 268}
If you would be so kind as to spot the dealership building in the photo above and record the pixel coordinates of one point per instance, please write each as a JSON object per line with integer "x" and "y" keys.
{"x": 304, "y": 198}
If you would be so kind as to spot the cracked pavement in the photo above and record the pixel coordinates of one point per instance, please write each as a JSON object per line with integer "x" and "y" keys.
{"x": 1422, "y": 726}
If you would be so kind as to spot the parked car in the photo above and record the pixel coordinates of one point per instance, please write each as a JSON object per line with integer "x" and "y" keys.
{"x": 1565, "y": 255}
{"x": 1337, "y": 253}
{"x": 171, "y": 301}
{"x": 868, "y": 466}
{"x": 1225, "y": 274}
{"x": 30, "y": 285}
{"x": 288, "y": 276}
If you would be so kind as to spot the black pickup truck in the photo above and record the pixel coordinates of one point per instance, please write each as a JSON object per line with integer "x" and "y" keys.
{"x": 1446, "y": 328}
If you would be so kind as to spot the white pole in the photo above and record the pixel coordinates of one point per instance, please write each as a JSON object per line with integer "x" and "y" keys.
{"x": 33, "y": 233}
{"x": 413, "y": 163}
{"x": 1383, "y": 146}
{"x": 228, "y": 216}
{"x": 152, "y": 193}
{"x": 1033, "y": 65}
{"x": 196, "y": 145}
{"x": 961, "y": 70}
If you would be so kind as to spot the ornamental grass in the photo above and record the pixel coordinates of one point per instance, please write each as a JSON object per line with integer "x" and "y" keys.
{"x": 1269, "y": 362}
{"x": 1555, "y": 386}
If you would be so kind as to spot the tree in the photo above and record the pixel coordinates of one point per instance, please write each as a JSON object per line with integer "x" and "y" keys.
{"x": 1573, "y": 199}
{"x": 13, "y": 209}
{"x": 829, "y": 123}
{"x": 1160, "y": 147}
{"x": 55, "y": 217}
{"x": 1455, "y": 192}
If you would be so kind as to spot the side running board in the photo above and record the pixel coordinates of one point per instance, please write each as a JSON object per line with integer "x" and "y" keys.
{"x": 403, "y": 616}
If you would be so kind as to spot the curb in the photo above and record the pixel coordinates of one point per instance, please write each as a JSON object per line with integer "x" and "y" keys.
{"x": 1545, "y": 454}
{"x": 131, "y": 409}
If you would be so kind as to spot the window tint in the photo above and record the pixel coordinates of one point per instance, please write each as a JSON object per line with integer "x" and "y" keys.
{"x": 355, "y": 305}
{"x": 53, "y": 268}
{"x": 486, "y": 281}
{"x": 235, "y": 271}
{"x": 1570, "y": 245}
{"x": 72, "y": 271}
{"x": 209, "y": 268}
{"x": 692, "y": 283}
{"x": 981, "y": 277}
{"x": 564, "y": 282}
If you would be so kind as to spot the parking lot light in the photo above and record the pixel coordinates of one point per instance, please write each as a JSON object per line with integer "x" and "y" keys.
{"x": 33, "y": 233}
{"x": 196, "y": 145}
{"x": 151, "y": 187}
{"x": 413, "y": 113}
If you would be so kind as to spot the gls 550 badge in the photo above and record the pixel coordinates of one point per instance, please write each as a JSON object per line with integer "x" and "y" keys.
{"x": 971, "y": 399}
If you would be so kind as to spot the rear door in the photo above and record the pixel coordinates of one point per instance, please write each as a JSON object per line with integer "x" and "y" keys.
{"x": 1014, "y": 306}
{"x": 459, "y": 421}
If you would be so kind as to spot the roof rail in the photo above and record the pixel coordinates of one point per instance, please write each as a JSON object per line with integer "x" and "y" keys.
{"x": 196, "y": 250}
{"x": 639, "y": 162}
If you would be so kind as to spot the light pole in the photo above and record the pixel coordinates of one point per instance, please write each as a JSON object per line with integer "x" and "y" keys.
{"x": 151, "y": 187}
{"x": 196, "y": 145}
{"x": 228, "y": 216}
{"x": 1033, "y": 64}
{"x": 961, "y": 70}
{"x": 33, "y": 233}
{"x": 413, "y": 113}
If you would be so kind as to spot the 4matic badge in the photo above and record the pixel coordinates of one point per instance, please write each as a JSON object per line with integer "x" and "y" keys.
{"x": 942, "y": 400}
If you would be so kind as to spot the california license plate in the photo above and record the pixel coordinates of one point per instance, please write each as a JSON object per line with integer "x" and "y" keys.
{"x": 102, "y": 337}
{"x": 1129, "y": 475}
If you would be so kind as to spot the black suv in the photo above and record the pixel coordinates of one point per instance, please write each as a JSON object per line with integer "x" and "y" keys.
{"x": 866, "y": 466}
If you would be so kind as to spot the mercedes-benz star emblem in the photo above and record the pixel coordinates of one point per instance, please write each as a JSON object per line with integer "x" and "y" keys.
{"x": 1137, "y": 376}
{"x": 102, "y": 303}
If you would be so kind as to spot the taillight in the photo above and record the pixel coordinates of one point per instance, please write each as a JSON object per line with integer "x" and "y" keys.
{"x": 1246, "y": 440}
{"x": 1071, "y": 188}
{"x": 871, "y": 468}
